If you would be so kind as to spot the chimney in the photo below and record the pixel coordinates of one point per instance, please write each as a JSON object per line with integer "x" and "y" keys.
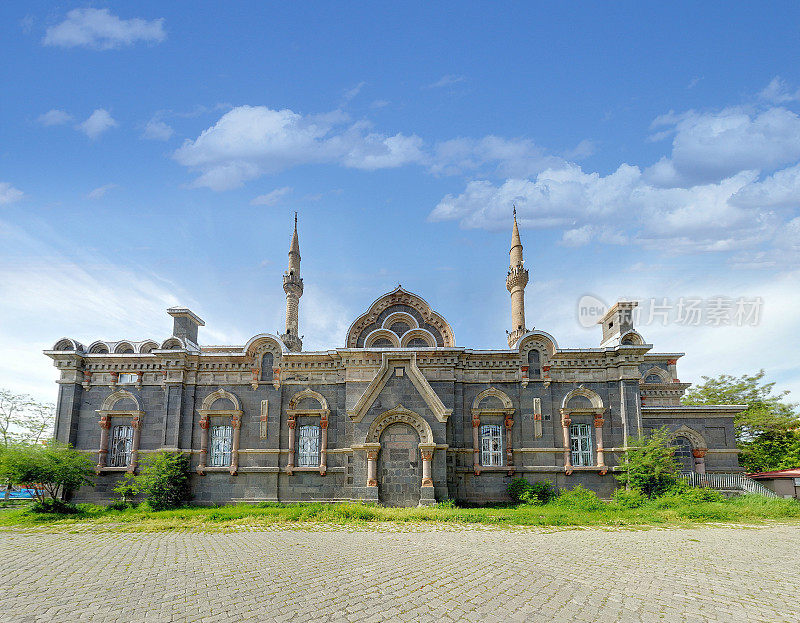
{"x": 617, "y": 321}
{"x": 185, "y": 324}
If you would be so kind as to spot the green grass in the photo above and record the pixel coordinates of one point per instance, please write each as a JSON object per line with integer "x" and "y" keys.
{"x": 667, "y": 511}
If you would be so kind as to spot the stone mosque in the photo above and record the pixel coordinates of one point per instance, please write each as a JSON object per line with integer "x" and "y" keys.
{"x": 399, "y": 414}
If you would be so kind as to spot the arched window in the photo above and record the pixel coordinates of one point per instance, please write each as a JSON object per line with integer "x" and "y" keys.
{"x": 399, "y": 328}
{"x": 534, "y": 364}
{"x": 382, "y": 343}
{"x": 221, "y": 445}
{"x": 308, "y": 446}
{"x": 653, "y": 378}
{"x": 491, "y": 445}
{"x": 581, "y": 444}
{"x": 682, "y": 452}
{"x": 417, "y": 342}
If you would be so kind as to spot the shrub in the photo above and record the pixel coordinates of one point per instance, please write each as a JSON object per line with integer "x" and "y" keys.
{"x": 164, "y": 480}
{"x": 629, "y": 498}
{"x": 579, "y": 498}
{"x": 517, "y": 488}
{"x": 127, "y": 489}
{"x": 649, "y": 466}
{"x": 50, "y": 505}
{"x": 540, "y": 493}
{"x": 446, "y": 504}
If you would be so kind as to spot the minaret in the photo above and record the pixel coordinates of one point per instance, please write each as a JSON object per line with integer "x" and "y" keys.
{"x": 293, "y": 286}
{"x": 516, "y": 281}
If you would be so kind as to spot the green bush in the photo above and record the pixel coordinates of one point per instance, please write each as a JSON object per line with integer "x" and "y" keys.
{"x": 540, "y": 493}
{"x": 579, "y": 498}
{"x": 649, "y": 465}
{"x": 127, "y": 489}
{"x": 629, "y": 498}
{"x": 164, "y": 480}
{"x": 49, "y": 505}
{"x": 517, "y": 488}
{"x": 446, "y": 504}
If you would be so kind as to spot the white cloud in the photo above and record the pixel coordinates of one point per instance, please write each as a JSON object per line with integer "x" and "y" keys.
{"x": 157, "y": 130}
{"x": 55, "y": 117}
{"x": 447, "y": 80}
{"x": 100, "y": 191}
{"x": 97, "y": 123}
{"x": 250, "y": 141}
{"x": 272, "y": 197}
{"x": 505, "y": 157}
{"x": 349, "y": 94}
{"x": 708, "y": 147}
{"x": 100, "y": 30}
{"x": 9, "y": 194}
{"x": 779, "y": 190}
{"x": 777, "y": 92}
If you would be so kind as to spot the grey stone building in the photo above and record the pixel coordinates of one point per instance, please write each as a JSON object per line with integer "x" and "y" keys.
{"x": 400, "y": 414}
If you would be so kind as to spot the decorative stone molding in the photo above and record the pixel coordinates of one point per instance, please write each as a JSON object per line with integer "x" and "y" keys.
{"x": 399, "y": 415}
{"x": 206, "y": 413}
{"x": 322, "y": 412}
{"x": 381, "y": 334}
{"x": 398, "y": 296}
{"x": 418, "y": 334}
{"x": 409, "y": 359}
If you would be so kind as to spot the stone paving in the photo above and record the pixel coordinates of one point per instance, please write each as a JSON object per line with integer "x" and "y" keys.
{"x": 415, "y": 573}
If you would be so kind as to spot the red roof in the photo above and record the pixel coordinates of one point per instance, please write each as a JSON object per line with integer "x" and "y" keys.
{"x": 781, "y": 473}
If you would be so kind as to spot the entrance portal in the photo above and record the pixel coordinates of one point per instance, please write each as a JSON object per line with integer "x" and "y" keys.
{"x": 399, "y": 466}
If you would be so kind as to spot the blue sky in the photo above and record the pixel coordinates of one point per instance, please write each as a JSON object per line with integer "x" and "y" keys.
{"x": 153, "y": 154}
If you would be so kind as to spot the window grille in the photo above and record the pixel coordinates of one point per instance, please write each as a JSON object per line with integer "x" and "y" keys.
{"x": 417, "y": 342}
{"x": 126, "y": 379}
{"x": 491, "y": 445}
{"x": 308, "y": 446}
{"x": 221, "y": 442}
{"x": 682, "y": 452}
{"x": 121, "y": 444}
{"x": 382, "y": 343}
{"x": 581, "y": 438}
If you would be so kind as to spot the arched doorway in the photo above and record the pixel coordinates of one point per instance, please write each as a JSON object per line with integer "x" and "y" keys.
{"x": 399, "y": 466}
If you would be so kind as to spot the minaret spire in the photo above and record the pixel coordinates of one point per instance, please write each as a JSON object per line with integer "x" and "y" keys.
{"x": 293, "y": 286}
{"x": 516, "y": 280}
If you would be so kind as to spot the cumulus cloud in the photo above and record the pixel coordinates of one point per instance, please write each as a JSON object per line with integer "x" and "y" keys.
{"x": 157, "y": 130}
{"x": 9, "y": 194}
{"x": 708, "y": 147}
{"x": 97, "y": 123}
{"x": 505, "y": 157}
{"x": 271, "y": 198}
{"x": 250, "y": 141}
{"x": 99, "y": 29}
{"x": 54, "y": 117}
{"x": 100, "y": 191}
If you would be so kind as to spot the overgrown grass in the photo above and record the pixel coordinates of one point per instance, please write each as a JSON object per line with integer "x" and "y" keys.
{"x": 564, "y": 511}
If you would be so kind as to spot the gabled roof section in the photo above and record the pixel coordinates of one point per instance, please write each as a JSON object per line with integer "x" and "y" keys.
{"x": 409, "y": 359}
{"x": 399, "y": 296}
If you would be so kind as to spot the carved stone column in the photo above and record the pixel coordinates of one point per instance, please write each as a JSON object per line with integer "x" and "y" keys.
{"x": 699, "y": 460}
{"x": 372, "y": 463}
{"x": 524, "y": 376}
{"x": 323, "y": 450}
{"x": 139, "y": 377}
{"x": 102, "y": 455}
{"x": 427, "y": 450}
{"x": 236, "y": 423}
{"x": 476, "y": 444}
{"x": 292, "y": 423}
{"x": 204, "y": 423}
{"x": 136, "y": 423}
{"x": 598, "y": 432}
{"x": 565, "y": 422}
{"x": 537, "y": 418}
{"x": 509, "y": 422}
{"x": 255, "y": 372}
{"x": 87, "y": 379}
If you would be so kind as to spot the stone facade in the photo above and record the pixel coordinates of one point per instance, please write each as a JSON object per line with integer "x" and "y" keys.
{"x": 399, "y": 415}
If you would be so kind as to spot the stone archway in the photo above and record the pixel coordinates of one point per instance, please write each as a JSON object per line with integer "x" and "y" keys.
{"x": 399, "y": 466}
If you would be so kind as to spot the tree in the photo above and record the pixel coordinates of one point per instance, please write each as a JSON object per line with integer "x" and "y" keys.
{"x": 649, "y": 466}
{"x": 53, "y": 470}
{"x": 765, "y": 411}
{"x": 23, "y": 420}
{"x": 771, "y": 450}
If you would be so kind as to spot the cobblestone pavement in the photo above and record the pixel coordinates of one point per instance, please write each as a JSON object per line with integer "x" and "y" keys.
{"x": 402, "y": 574}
